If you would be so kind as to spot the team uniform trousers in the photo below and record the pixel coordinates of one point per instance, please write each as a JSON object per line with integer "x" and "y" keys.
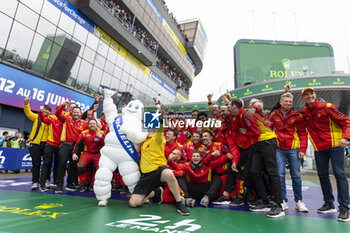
{"x": 242, "y": 174}
{"x": 50, "y": 151}
{"x": 85, "y": 159}
{"x": 198, "y": 190}
{"x": 36, "y": 152}
{"x": 65, "y": 155}
{"x": 264, "y": 159}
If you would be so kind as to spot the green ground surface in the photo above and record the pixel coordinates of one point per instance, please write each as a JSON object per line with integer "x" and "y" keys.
{"x": 25, "y": 212}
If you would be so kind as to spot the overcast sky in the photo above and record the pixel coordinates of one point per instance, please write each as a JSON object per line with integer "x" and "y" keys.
{"x": 226, "y": 21}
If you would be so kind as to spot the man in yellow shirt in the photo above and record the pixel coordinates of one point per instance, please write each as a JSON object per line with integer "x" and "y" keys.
{"x": 154, "y": 171}
{"x": 38, "y": 138}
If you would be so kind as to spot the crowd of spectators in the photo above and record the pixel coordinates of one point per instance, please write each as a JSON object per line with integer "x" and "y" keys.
{"x": 128, "y": 21}
{"x": 170, "y": 72}
{"x": 174, "y": 20}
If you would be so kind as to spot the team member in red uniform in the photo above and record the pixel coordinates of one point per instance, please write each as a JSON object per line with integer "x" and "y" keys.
{"x": 72, "y": 127}
{"x": 289, "y": 127}
{"x": 263, "y": 158}
{"x": 193, "y": 144}
{"x": 88, "y": 148}
{"x": 171, "y": 143}
{"x": 329, "y": 132}
{"x": 51, "y": 148}
{"x": 183, "y": 131}
{"x": 214, "y": 109}
{"x": 194, "y": 116}
{"x": 215, "y": 151}
{"x": 168, "y": 197}
{"x": 233, "y": 178}
{"x": 199, "y": 183}
{"x": 212, "y": 148}
{"x": 84, "y": 114}
{"x": 105, "y": 127}
{"x": 70, "y": 109}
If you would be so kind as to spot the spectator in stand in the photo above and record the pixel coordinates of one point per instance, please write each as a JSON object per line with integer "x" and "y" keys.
{"x": 87, "y": 150}
{"x": 198, "y": 185}
{"x": 289, "y": 127}
{"x": 329, "y": 131}
{"x": 51, "y": 150}
{"x": 72, "y": 127}
{"x": 38, "y": 138}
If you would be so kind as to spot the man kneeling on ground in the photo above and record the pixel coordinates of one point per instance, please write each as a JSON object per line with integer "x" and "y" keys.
{"x": 154, "y": 171}
{"x": 198, "y": 185}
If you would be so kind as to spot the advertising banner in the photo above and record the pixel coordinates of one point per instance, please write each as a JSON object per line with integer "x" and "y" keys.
{"x": 15, "y": 85}
{"x": 296, "y": 83}
{"x": 15, "y": 159}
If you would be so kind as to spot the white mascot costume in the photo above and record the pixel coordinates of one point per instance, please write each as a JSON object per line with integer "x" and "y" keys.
{"x": 121, "y": 146}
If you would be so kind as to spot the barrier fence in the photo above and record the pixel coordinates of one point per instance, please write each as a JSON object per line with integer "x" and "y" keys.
{"x": 15, "y": 159}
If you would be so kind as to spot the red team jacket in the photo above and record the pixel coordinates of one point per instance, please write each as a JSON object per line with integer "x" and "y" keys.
{"x": 325, "y": 125}
{"x": 199, "y": 175}
{"x": 71, "y": 128}
{"x": 55, "y": 129}
{"x": 189, "y": 148}
{"x": 220, "y": 168}
{"x": 290, "y": 130}
{"x": 257, "y": 128}
{"x": 169, "y": 147}
{"x": 88, "y": 142}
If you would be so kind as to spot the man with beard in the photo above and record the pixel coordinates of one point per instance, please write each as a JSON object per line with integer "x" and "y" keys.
{"x": 72, "y": 127}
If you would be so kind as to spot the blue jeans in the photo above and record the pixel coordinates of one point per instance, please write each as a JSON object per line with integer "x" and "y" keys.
{"x": 336, "y": 155}
{"x": 294, "y": 167}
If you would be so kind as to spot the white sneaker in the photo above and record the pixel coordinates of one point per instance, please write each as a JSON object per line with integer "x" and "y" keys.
{"x": 284, "y": 205}
{"x": 35, "y": 186}
{"x": 47, "y": 183}
{"x": 102, "y": 203}
{"x": 300, "y": 206}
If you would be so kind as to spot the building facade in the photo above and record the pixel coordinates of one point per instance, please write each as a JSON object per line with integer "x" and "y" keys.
{"x": 52, "y": 50}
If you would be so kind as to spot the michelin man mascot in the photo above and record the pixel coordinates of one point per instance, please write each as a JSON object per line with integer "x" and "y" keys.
{"x": 121, "y": 146}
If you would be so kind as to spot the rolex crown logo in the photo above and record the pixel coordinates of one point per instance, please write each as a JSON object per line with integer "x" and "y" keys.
{"x": 286, "y": 63}
{"x": 48, "y": 206}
